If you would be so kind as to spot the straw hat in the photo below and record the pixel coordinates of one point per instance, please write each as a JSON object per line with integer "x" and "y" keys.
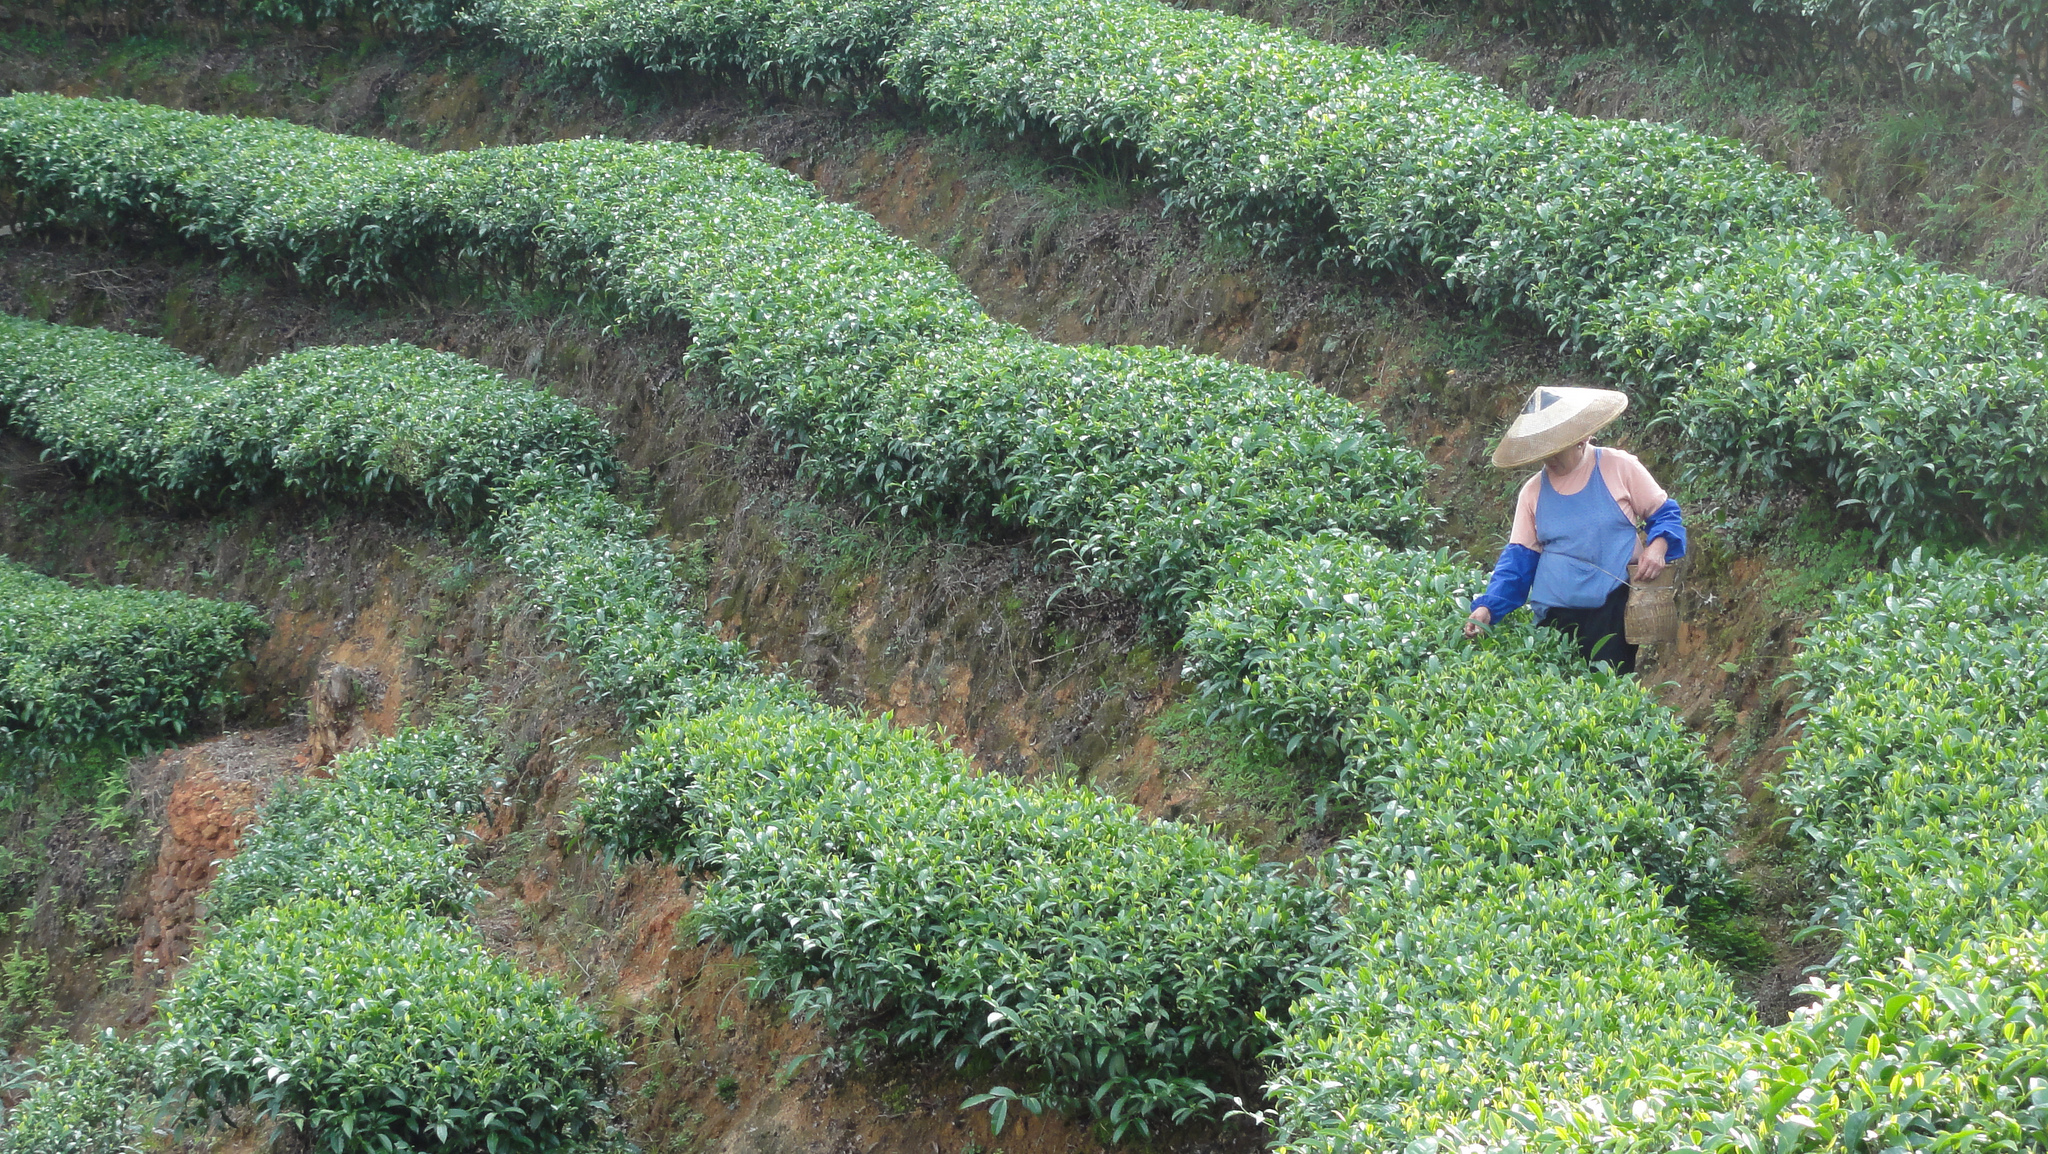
{"x": 1556, "y": 418}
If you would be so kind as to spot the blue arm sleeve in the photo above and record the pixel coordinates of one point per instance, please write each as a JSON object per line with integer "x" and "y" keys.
{"x": 1666, "y": 523}
{"x": 1509, "y": 589}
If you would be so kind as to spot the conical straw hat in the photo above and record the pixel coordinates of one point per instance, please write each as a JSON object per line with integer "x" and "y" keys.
{"x": 1556, "y": 418}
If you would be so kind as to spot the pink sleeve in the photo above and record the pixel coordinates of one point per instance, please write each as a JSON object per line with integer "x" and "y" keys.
{"x": 1523, "y": 532}
{"x": 1638, "y": 493}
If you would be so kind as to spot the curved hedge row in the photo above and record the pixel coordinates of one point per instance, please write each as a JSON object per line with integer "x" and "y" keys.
{"x": 1786, "y": 345}
{"x": 1343, "y": 648}
{"x": 341, "y": 993}
{"x": 1513, "y": 930}
{"x": 615, "y": 597}
{"x": 1930, "y": 1052}
{"x": 103, "y": 667}
{"x": 1120, "y": 964}
{"x": 1918, "y": 780}
{"x": 862, "y": 351}
{"x": 348, "y": 421}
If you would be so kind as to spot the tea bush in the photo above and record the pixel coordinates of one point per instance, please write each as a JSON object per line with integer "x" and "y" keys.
{"x": 1159, "y": 460}
{"x": 349, "y": 421}
{"x": 104, "y": 667}
{"x": 441, "y": 766}
{"x": 114, "y": 405}
{"x": 1351, "y": 651}
{"x": 1473, "y": 998}
{"x": 1514, "y": 810}
{"x": 854, "y": 347}
{"x": 346, "y": 843}
{"x": 384, "y": 1028}
{"x": 1819, "y": 355}
{"x": 1507, "y": 943}
{"x": 1673, "y": 257}
{"x": 877, "y": 881}
{"x": 87, "y": 1098}
{"x": 1297, "y": 635}
{"x": 380, "y": 829}
{"x": 805, "y": 43}
{"x": 1513, "y": 934}
{"x": 1516, "y": 925}
{"x": 394, "y": 418}
{"x": 1920, "y": 770}
{"x": 1932, "y": 1052}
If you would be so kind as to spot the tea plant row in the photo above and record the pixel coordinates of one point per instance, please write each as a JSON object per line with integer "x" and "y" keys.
{"x": 94, "y": 667}
{"x": 1534, "y": 842}
{"x": 1917, "y": 781}
{"x": 859, "y": 350}
{"x": 1784, "y": 344}
{"x": 374, "y": 422}
{"x": 336, "y": 994}
{"x": 1118, "y": 964}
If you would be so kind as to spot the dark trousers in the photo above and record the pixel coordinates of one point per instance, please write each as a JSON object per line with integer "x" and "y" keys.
{"x": 1598, "y": 631}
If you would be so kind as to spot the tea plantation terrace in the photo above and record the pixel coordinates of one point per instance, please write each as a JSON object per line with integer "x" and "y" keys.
{"x": 1424, "y": 907}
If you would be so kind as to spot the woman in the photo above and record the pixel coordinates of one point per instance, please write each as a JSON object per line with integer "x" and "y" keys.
{"x": 1575, "y": 529}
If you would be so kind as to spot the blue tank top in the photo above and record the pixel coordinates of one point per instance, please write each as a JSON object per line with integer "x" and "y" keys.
{"x": 1586, "y": 544}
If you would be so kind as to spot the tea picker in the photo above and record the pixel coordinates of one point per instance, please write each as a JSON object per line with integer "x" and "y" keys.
{"x": 1591, "y": 526}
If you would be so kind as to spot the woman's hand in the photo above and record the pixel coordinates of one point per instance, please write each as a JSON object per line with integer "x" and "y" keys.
{"x": 1480, "y": 619}
{"x": 1652, "y": 562}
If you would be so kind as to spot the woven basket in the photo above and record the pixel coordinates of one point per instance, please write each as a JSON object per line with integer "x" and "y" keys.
{"x": 1652, "y": 617}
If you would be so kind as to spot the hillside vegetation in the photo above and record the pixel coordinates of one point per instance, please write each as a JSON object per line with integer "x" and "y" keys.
{"x": 1512, "y": 945}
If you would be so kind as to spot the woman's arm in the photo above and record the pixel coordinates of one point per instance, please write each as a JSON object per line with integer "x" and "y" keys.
{"x": 1516, "y": 569}
{"x": 1509, "y": 589}
{"x": 1667, "y": 524}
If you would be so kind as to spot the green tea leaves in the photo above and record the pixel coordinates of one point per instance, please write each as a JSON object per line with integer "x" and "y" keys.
{"x": 354, "y": 422}
{"x": 86, "y": 667}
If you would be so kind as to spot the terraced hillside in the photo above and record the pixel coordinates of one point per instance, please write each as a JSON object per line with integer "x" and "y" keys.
{"x": 744, "y": 678}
